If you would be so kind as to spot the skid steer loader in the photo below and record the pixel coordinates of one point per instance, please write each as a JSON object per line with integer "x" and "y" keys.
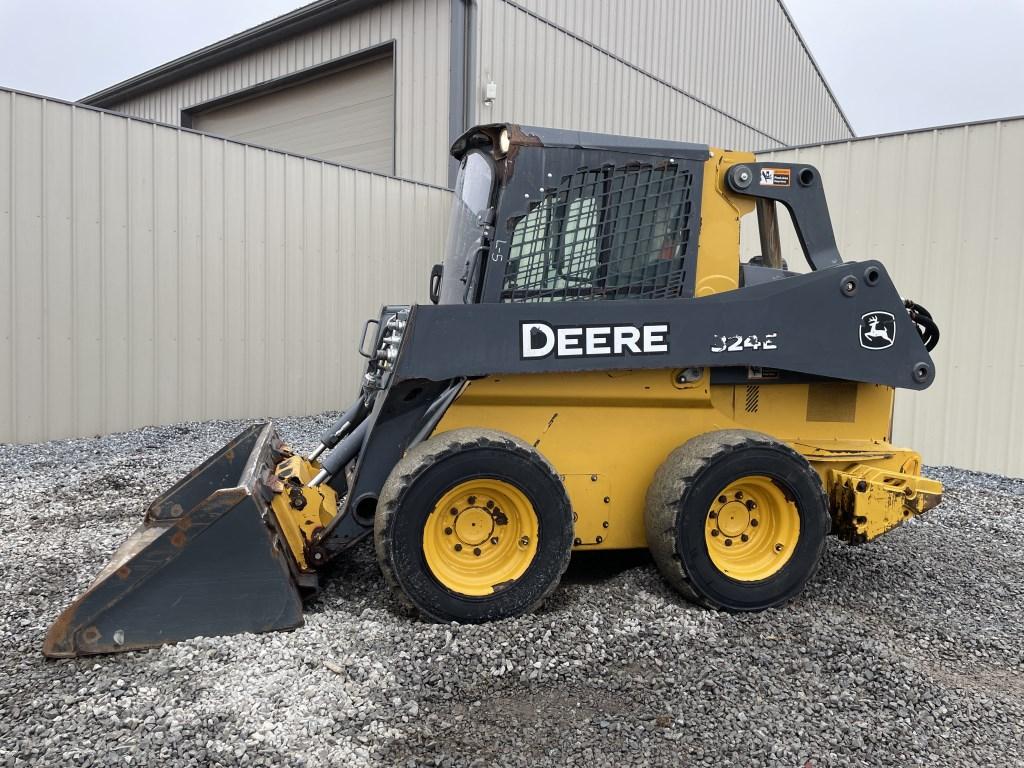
{"x": 596, "y": 370}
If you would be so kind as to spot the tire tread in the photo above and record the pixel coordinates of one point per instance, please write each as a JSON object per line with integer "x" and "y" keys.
{"x": 411, "y": 466}
{"x": 672, "y": 479}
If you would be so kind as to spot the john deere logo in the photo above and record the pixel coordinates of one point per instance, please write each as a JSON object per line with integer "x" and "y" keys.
{"x": 540, "y": 340}
{"x": 877, "y": 330}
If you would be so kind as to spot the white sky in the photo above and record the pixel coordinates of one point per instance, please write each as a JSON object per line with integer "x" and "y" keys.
{"x": 893, "y": 64}
{"x": 900, "y": 64}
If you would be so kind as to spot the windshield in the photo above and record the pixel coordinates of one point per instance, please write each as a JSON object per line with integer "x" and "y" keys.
{"x": 472, "y": 196}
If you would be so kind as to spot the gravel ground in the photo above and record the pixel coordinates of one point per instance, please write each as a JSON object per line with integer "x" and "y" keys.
{"x": 905, "y": 651}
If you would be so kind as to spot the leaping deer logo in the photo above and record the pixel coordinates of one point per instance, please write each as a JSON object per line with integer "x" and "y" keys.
{"x": 877, "y": 330}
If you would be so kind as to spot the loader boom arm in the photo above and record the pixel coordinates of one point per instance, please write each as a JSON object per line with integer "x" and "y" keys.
{"x": 805, "y": 323}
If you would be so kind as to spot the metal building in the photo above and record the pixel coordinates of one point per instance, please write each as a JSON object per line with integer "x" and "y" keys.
{"x": 145, "y": 254}
{"x": 387, "y": 85}
{"x": 138, "y": 256}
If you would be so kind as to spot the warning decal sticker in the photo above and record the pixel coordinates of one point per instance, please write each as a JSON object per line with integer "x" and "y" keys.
{"x": 775, "y": 177}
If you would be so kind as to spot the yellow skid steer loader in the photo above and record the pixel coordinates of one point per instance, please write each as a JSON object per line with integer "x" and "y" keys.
{"x": 596, "y": 370}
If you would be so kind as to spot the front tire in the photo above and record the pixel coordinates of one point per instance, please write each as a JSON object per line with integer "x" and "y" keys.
{"x": 473, "y": 525}
{"x": 737, "y": 520}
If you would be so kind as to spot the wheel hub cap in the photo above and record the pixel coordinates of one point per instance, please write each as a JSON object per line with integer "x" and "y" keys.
{"x": 752, "y": 529}
{"x": 480, "y": 537}
{"x": 733, "y": 519}
{"x": 474, "y": 526}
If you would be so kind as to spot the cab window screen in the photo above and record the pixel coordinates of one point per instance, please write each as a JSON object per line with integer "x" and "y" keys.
{"x": 608, "y": 233}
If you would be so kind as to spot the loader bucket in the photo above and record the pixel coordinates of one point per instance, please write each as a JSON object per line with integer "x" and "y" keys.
{"x": 206, "y": 561}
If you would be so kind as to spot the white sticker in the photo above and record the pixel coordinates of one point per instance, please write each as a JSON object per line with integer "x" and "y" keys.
{"x": 774, "y": 177}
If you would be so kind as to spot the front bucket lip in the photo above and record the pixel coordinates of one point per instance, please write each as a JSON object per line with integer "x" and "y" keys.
{"x": 68, "y": 636}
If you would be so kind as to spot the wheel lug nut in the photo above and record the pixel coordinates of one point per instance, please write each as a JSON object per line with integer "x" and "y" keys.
{"x": 714, "y": 532}
{"x": 454, "y": 511}
{"x": 751, "y": 504}
{"x": 722, "y": 499}
{"x": 494, "y": 540}
{"x": 471, "y": 499}
{"x": 524, "y": 541}
{"x": 728, "y": 542}
{"x": 476, "y": 551}
{"x": 490, "y": 504}
{"x": 753, "y": 523}
{"x": 739, "y": 494}
{"x": 458, "y": 547}
{"x": 744, "y": 537}
{"x": 713, "y": 515}
{"x": 447, "y": 531}
{"x": 778, "y": 547}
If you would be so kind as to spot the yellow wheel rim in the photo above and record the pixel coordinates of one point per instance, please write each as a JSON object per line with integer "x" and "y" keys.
{"x": 480, "y": 537}
{"x": 752, "y": 529}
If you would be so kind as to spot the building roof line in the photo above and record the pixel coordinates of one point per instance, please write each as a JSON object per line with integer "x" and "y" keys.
{"x": 321, "y": 12}
{"x": 814, "y": 63}
{"x": 890, "y": 134}
{"x": 640, "y": 70}
{"x": 278, "y": 28}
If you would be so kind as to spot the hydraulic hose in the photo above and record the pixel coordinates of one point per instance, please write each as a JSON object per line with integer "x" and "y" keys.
{"x": 926, "y": 326}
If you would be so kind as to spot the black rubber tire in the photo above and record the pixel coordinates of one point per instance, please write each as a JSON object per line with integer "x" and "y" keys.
{"x": 419, "y": 480}
{"x": 685, "y": 486}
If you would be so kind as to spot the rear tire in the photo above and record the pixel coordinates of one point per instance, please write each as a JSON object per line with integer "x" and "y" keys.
{"x": 737, "y": 520}
{"x": 473, "y": 525}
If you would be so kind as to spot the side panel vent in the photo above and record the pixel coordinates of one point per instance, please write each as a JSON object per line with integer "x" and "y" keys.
{"x": 753, "y": 394}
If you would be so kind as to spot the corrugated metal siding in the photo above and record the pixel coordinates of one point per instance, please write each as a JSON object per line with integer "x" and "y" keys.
{"x": 586, "y": 69}
{"x": 421, "y": 31}
{"x": 347, "y": 117}
{"x": 942, "y": 210}
{"x": 152, "y": 275}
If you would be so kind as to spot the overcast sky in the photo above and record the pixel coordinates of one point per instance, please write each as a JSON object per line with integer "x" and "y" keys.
{"x": 893, "y": 64}
{"x": 899, "y": 64}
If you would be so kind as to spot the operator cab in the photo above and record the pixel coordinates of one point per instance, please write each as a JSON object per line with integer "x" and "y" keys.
{"x": 548, "y": 215}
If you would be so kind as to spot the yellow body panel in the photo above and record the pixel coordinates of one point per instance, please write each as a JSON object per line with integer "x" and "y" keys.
{"x": 619, "y": 426}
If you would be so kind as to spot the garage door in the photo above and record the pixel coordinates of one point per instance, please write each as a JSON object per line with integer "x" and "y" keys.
{"x": 347, "y": 117}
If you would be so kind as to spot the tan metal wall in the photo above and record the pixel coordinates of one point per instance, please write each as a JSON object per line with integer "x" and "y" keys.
{"x": 627, "y": 67}
{"x": 150, "y": 275}
{"x": 420, "y": 30}
{"x": 944, "y": 211}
